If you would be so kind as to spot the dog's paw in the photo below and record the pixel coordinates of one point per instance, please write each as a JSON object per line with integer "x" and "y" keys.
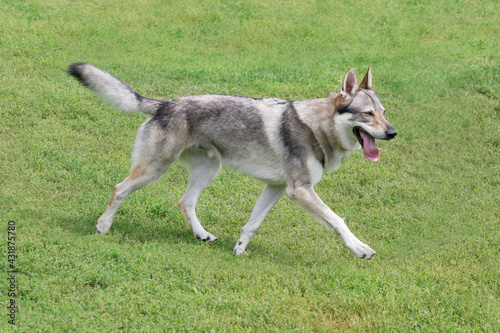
{"x": 102, "y": 227}
{"x": 359, "y": 249}
{"x": 205, "y": 236}
{"x": 363, "y": 251}
{"x": 240, "y": 247}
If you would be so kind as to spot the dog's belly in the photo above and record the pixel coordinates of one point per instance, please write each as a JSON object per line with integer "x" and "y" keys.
{"x": 261, "y": 164}
{"x": 269, "y": 171}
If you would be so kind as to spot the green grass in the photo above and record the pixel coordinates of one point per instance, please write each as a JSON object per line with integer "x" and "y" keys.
{"x": 429, "y": 207}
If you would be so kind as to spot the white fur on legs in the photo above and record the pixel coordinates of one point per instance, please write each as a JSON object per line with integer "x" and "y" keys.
{"x": 203, "y": 170}
{"x": 309, "y": 201}
{"x": 265, "y": 203}
{"x": 139, "y": 177}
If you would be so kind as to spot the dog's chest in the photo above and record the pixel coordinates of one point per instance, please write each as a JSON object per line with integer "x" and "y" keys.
{"x": 333, "y": 161}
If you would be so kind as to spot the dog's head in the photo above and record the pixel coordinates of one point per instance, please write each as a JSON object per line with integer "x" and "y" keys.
{"x": 359, "y": 116}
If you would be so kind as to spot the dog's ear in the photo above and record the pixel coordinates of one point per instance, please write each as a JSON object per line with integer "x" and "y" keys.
{"x": 367, "y": 81}
{"x": 350, "y": 85}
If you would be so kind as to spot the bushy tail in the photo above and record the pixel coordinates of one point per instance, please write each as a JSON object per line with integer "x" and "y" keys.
{"x": 112, "y": 90}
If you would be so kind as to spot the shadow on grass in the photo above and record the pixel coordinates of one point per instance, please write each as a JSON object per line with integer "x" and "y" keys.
{"x": 85, "y": 225}
{"x": 177, "y": 232}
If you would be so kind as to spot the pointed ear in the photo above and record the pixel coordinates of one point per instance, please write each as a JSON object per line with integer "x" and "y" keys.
{"x": 350, "y": 85}
{"x": 367, "y": 81}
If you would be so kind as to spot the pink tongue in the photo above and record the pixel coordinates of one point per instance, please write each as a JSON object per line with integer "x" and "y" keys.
{"x": 369, "y": 148}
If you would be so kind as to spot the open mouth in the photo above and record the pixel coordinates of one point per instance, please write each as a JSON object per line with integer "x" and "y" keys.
{"x": 367, "y": 141}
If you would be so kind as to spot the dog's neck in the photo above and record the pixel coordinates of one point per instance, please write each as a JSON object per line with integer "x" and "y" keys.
{"x": 329, "y": 127}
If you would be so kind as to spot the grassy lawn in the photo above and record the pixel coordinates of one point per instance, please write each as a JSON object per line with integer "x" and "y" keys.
{"x": 429, "y": 207}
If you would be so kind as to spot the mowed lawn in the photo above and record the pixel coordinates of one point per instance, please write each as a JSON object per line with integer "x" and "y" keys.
{"x": 429, "y": 207}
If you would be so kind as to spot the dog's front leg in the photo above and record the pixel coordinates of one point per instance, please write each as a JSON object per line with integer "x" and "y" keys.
{"x": 267, "y": 200}
{"x": 305, "y": 197}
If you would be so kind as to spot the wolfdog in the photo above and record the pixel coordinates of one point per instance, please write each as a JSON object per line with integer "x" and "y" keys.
{"x": 287, "y": 145}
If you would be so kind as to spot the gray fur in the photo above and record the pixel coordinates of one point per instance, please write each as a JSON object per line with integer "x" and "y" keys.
{"x": 287, "y": 145}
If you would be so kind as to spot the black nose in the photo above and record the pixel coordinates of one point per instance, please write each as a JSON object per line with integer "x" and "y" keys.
{"x": 391, "y": 132}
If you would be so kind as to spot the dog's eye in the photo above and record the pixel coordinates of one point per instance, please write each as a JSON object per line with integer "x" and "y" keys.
{"x": 371, "y": 114}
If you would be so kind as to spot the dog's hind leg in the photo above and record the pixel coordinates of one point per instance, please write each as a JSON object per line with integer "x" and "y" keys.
{"x": 266, "y": 201}
{"x": 203, "y": 170}
{"x": 154, "y": 152}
